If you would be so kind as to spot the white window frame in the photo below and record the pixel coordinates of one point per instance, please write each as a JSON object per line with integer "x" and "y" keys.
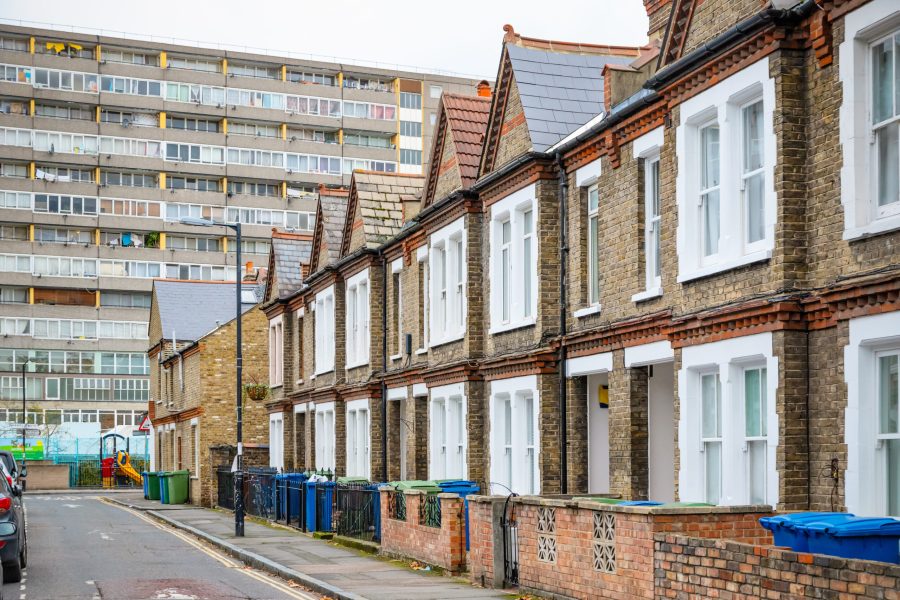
{"x": 729, "y": 359}
{"x": 397, "y": 272}
{"x": 448, "y": 279}
{"x": 722, "y": 105}
{"x": 359, "y": 438}
{"x": 593, "y": 247}
{"x": 512, "y": 209}
{"x": 865, "y": 486}
{"x": 648, "y": 148}
{"x": 325, "y": 436}
{"x": 448, "y": 432}
{"x": 276, "y": 351}
{"x": 276, "y": 440}
{"x": 862, "y": 27}
{"x": 760, "y": 439}
{"x": 510, "y": 450}
{"x": 324, "y": 331}
{"x": 357, "y": 319}
{"x": 422, "y": 258}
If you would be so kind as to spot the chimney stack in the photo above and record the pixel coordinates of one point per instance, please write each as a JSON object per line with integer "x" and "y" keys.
{"x": 484, "y": 89}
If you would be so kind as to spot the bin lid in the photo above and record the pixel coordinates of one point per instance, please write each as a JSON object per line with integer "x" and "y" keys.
{"x": 182, "y": 472}
{"x": 414, "y": 484}
{"x": 686, "y": 504}
{"x": 640, "y": 503}
{"x": 352, "y": 479}
{"x": 858, "y": 527}
{"x": 599, "y": 499}
{"x": 791, "y": 520}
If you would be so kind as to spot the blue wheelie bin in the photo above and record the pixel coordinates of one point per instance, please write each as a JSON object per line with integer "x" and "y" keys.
{"x": 866, "y": 538}
{"x": 463, "y": 487}
{"x": 640, "y": 503}
{"x": 164, "y": 487}
{"x": 145, "y": 480}
{"x": 309, "y": 499}
{"x": 788, "y": 530}
{"x": 324, "y": 503}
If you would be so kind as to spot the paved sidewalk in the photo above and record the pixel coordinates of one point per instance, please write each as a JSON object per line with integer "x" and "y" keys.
{"x": 327, "y": 568}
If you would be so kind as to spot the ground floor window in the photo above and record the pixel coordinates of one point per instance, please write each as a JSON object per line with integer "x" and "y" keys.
{"x": 889, "y": 426}
{"x": 514, "y": 450}
{"x": 447, "y": 433}
{"x": 727, "y": 456}
{"x": 325, "y": 437}
{"x": 358, "y": 439}
{"x": 276, "y": 441}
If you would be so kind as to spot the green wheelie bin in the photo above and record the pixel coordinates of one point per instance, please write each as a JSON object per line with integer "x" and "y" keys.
{"x": 153, "y": 485}
{"x": 178, "y": 484}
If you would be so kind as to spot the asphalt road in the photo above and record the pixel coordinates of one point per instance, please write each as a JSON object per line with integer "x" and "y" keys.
{"x": 81, "y": 547}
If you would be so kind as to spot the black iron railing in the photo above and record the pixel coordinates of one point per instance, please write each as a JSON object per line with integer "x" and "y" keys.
{"x": 397, "y": 505}
{"x": 259, "y": 493}
{"x": 430, "y": 511}
{"x": 356, "y": 511}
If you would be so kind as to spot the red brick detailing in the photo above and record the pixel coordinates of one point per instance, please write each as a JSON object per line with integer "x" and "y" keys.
{"x": 516, "y": 366}
{"x": 688, "y": 567}
{"x": 573, "y": 574}
{"x": 820, "y": 37}
{"x": 444, "y": 547}
{"x": 679, "y": 23}
{"x": 512, "y": 124}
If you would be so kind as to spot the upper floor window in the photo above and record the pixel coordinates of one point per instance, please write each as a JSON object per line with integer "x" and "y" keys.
{"x": 130, "y": 57}
{"x": 886, "y": 124}
{"x": 448, "y": 280}
{"x": 357, "y": 334}
{"x": 276, "y": 351}
{"x": 258, "y": 71}
{"x": 513, "y": 261}
{"x": 652, "y": 224}
{"x": 194, "y": 64}
{"x": 308, "y": 77}
{"x": 410, "y": 100}
{"x": 324, "y": 331}
{"x": 726, "y": 200}
{"x": 593, "y": 243}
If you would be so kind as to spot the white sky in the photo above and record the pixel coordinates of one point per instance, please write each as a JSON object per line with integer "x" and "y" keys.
{"x": 461, "y": 36}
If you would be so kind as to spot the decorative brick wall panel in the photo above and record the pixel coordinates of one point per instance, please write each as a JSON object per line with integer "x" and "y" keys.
{"x": 598, "y": 551}
{"x": 443, "y": 546}
{"x": 690, "y": 567}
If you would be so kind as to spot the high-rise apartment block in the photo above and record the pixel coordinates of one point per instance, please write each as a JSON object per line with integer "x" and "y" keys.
{"x": 106, "y": 143}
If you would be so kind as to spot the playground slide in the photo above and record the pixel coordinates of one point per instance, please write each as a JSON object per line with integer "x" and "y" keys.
{"x": 123, "y": 461}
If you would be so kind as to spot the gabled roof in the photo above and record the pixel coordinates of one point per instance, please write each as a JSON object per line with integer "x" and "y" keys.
{"x": 376, "y": 207}
{"x": 191, "y": 309}
{"x": 560, "y": 85}
{"x": 464, "y": 120}
{"x": 679, "y": 22}
{"x": 288, "y": 257}
{"x": 330, "y": 214}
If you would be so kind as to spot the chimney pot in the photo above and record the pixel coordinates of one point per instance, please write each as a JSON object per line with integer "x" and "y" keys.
{"x": 484, "y": 89}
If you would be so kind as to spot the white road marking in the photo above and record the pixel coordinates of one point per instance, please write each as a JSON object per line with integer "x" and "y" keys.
{"x": 71, "y": 505}
{"x": 228, "y": 562}
{"x": 89, "y": 582}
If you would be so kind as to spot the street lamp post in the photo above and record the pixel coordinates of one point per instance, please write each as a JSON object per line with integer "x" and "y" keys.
{"x": 239, "y": 389}
{"x": 24, "y": 415}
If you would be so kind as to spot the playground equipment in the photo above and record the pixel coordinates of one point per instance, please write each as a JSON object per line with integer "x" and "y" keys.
{"x": 123, "y": 460}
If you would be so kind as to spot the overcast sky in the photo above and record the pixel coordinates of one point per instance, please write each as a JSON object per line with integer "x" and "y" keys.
{"x": 462, "y": 36}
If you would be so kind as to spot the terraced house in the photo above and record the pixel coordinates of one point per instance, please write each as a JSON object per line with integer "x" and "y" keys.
{"x": 665, "y": 271}
{"x": 106, "y": 143}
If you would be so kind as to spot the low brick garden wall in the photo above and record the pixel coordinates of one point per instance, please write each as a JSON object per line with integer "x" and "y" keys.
{"x": 688, "y": 567}
{"x": 579, "y": 549}
{"x": 418, "y": 535}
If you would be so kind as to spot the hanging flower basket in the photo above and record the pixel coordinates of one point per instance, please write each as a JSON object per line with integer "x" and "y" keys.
{"x": 257, "y": 392}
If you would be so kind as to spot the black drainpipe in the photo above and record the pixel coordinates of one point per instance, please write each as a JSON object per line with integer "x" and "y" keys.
{"x": 563, "y": 258}
{"x": 384, "y": 359}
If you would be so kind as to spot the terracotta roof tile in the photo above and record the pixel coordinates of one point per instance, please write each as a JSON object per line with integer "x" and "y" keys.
{"x": 467, "y": 118}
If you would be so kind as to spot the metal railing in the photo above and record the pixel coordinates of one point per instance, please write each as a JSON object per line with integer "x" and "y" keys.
{"x": 259, "y": 493}
{"x": 430, "y": 511}
{"x": 356, "y": 511}
{"x": 397, "y": 505}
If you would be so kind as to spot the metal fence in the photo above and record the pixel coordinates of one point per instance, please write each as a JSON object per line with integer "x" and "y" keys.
{"x": 430, "y": 511}
{"x": 396, "y": 505}
{"x": 259, "y": 493}
{"x": 356, "y": 511}
{"x": 510, "y": 529}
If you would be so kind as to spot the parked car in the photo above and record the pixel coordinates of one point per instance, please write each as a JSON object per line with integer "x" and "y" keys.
{"x": 13, "y": 538}
{"x": 9, "y": 461}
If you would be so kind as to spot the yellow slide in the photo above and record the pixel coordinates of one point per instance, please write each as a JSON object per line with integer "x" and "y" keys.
{"x": 123, "y": 461}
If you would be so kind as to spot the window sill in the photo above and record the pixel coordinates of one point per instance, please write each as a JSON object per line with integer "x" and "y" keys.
{"x": 299, "y": 382}
{"x": 276, "y": 386}
{"x": 396, "y": 357}
{"x": 421, "y": 351}
{"x": 438, "y": 343}
{"x": 647, "y": 295}
{"x": 502, "y": 328}
{"x": 727, "y": 265}
{"x": 876, "y": 227}
{"x": 357, "y": 365}
{"x": 588, "y": 311}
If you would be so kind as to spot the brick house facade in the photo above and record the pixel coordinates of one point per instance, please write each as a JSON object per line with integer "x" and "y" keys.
{"x": 192, "y": 381}
{"x": 679, "y": 284}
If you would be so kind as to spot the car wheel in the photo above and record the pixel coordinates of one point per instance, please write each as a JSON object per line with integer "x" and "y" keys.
{"x": 12, "y": 573}
{"x": 23, "y": 557}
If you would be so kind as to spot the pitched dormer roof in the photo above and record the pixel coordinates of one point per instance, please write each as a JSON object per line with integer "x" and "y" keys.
{"x": 559, "y": 84}
{"x": 462, "y": 121}
{"x": 288, "y": 259}
{"x": 375, "y": 208}
{"x": 330, "y": 214}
